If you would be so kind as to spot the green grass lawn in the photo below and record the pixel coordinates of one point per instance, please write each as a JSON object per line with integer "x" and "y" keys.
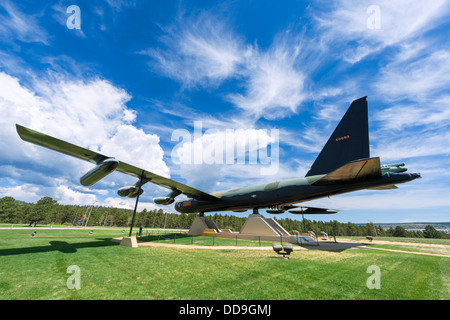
{"x": 36, "y": 268}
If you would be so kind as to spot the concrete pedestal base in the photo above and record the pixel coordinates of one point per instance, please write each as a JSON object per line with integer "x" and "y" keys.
{"x": 202, "y": 225}
{"x": 129, "y": 242}
{"x": 256, "y": 224}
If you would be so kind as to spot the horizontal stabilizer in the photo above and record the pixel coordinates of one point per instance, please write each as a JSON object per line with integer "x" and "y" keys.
{"x": 312, "y": 210}
{"x": 354, "y": 171}
{"x": 67, "y": 148}
{"x": 389, "y": 187}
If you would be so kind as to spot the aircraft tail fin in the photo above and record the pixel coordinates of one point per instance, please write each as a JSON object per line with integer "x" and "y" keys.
{"x": 348, "y": 142}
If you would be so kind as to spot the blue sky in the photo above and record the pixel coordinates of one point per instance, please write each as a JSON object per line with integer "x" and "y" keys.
{"x": 136, "y": 72}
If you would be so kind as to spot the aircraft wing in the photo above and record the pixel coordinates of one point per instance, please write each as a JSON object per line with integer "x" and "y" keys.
{"x": 164, "y": 182}
{"x": 96, "y": 158}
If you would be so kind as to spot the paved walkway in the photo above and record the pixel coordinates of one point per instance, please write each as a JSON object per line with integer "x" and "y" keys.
{"x": 326, "y": 246}
{"x": 413, "y": 252}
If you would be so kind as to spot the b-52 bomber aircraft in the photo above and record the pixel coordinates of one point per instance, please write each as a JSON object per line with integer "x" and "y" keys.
{"x": 344, "y": 165}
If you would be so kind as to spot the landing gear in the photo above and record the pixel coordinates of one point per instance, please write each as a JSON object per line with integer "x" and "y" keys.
{"x": 303, "y": 220}
{"x": 137, "y": 200}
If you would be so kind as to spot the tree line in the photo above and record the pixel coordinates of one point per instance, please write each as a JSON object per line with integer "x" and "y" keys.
{"x": 48, "y": 211}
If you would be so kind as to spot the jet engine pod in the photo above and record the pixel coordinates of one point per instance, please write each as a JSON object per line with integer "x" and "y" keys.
{"x": 393, "y": 168}
{"x": 130, "y": 192}
{"x": 164, "y": 200}
{"x": 275, "y": 210}
{"x": 99, "y": 172}
{"x": 311, "y": 210}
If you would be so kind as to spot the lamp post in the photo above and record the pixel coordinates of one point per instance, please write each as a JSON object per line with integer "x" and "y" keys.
{"x": 89, "y": 214}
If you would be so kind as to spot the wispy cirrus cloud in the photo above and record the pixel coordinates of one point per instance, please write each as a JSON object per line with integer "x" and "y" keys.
{"x": 414, "y": 145}
{"x": 200, "y": 51}
{"x": 433, "y": 114}
{"x": 416, "y": 80}
{"x": 346, "y": 26}
{"x": 204, "y": 51}
{"x": 16, "y": 25}
{"x": 273, "y": 80}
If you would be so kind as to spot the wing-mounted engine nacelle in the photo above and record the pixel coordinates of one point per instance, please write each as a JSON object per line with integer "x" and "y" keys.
{"x": 275, "y": 210}
{"x": 393, "y": 168}
{"x": 99, "y": 172}
{"x": 170, "y": 198}
{"x": 164, "y": 200}
{"x": 130, "y": 192}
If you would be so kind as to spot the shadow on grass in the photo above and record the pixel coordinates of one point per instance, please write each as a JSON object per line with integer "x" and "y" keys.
{"x": 171, "y": 236}
{"x": 333, "y": 246}
{"x": 61, "y": 246}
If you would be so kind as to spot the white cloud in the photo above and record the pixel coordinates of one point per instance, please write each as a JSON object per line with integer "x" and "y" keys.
{"x": 126, "y": 203}
{"x": 65, "y": 195}
{"x": 213, "y": 56}
{"x": 418, "y": 144}
{"x": 434, "y": 114}
{"x": 204, "y": 51}
{"x": 207, "y": 158}
{"x": 274, "y": 83}
{"x": 83, "y": 112}
{"x": 15, "y": 25}
{"x": 119, "y": 4}
{"x": 400, "y": 21}
{"x": 200, "y": 51}
{"x": 415, "y": 80}
{"x": 92, "y": 114}
{"x": 26, "y": 192}
{"x": 135, "y": 147}
{"x": 416, "y": 84}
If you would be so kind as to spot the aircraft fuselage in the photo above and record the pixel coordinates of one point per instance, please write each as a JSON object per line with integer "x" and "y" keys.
{"x": 283, "y": 193}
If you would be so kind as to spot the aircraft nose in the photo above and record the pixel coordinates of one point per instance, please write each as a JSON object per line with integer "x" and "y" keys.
{"x": 416, "y": 175}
